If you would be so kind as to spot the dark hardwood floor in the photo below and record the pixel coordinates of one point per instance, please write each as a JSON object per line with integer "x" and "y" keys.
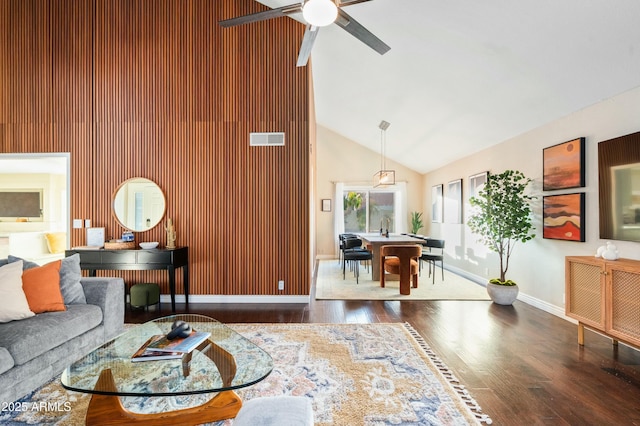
{"x": 522, "y": 365}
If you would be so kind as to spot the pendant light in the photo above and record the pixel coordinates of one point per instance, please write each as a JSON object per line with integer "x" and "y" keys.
{"x": 384, "y": 177}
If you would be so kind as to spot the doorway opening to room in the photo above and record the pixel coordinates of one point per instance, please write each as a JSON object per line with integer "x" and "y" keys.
{"x": 364, "y": 211}
{"x": 34, "y": 205}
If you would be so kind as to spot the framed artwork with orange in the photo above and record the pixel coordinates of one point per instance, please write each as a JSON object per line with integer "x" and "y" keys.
{"x": 563, "y": 217}
{"x": 563, "y": 165}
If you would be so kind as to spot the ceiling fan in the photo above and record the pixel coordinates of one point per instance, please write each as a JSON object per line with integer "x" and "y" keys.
{"x": 316, "y": 13}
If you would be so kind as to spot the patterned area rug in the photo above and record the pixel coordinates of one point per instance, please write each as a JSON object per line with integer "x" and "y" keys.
{"x": 330, "y": 285}
{"x": 355, "y": 374}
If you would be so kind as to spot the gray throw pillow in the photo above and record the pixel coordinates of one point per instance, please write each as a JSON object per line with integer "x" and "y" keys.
{"x": 4, "y": 262}
{"x": 70, "y": 274}
{"x": 26, "y": 264}
{"x": 70, "y": 287}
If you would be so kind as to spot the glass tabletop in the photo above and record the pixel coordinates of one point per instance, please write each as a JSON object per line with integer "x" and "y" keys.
{"x": 225, "y": 361}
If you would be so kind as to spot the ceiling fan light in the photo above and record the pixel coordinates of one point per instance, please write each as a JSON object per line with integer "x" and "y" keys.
{"x": 320, "y": 13}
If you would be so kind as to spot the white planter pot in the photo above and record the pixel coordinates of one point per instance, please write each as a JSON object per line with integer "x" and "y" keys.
{"x": 502, "y": 294}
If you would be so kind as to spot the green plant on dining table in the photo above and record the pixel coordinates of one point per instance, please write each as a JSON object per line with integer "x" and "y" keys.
{"x": 503, "y": 216}
{"x": 416, "y": 222}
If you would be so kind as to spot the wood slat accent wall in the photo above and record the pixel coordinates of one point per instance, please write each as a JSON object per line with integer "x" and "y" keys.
{"x": 155, "y": 88}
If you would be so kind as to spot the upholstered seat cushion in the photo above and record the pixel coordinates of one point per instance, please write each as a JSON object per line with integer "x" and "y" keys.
{"x": 276, "y": 411}
{"x": 31, "y": 337}
{"x": 392, "y": 265}
{"x": 357, "y": 255}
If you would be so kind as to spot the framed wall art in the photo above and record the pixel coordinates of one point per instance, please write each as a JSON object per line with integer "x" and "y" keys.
{"x": 619, "y": 188}
{"x": 326, "y": 204}
{"x": 436, "y": 203}
{"x": 563, "y": 217}
{"x": 476, "y": 183}
{"x": 563, "y": 165}
{"x": 453, "y": 202}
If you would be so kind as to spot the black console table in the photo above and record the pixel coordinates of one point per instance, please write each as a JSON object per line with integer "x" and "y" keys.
{"x": 139, "y": 260}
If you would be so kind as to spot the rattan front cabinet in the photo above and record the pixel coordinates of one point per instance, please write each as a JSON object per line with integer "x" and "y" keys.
{"x": 604, "y": 295}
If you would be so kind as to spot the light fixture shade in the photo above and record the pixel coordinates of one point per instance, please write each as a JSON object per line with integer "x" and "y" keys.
{"x": 320, "y": 13}
{"x": 384, "y": 178}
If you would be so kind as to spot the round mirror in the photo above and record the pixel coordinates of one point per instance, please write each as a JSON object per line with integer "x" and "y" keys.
{"x": 139, "y": 204}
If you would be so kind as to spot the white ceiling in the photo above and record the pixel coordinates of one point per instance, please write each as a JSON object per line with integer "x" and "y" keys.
{"x": 463, "y": 75}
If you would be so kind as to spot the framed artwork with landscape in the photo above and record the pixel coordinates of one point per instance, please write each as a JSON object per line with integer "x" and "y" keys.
{"x": 563, "y": 165}
{"x": 563, "y": 217}
{"x": 436, "y": 203}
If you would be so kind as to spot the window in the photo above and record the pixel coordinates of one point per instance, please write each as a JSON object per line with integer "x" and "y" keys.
{"x": 369, "y": 210}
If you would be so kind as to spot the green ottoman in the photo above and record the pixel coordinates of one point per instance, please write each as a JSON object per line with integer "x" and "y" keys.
{"x": 144, "y": 295}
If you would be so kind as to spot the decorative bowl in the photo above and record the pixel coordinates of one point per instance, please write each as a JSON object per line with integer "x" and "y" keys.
{"x": 150, "y": 245}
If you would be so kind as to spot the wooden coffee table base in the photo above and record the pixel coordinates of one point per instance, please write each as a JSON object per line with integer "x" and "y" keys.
{"x": 108, "y": 410}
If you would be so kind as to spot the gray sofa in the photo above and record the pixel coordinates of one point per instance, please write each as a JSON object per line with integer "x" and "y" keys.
{"x": 34, "y": 350}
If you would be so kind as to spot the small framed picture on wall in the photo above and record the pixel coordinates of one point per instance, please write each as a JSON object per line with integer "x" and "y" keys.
{"x": 326, "y": 204}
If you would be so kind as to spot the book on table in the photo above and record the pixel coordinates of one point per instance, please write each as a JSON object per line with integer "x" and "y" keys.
{"x": 146, "y": 354}
{"x": 181, "y": 344}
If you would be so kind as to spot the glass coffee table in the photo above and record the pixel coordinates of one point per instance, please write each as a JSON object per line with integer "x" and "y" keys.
{"x": 224, "y": 362}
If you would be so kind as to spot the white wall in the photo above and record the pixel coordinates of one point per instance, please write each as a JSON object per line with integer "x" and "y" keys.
{"x": 537, "y": 266}
{"x": 341, "y": 160}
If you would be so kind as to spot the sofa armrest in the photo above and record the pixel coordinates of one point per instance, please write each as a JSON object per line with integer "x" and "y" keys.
{"x": 108, "y": 294}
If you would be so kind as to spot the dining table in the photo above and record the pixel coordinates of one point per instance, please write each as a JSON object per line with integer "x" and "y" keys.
{"x": 377, "y": 240}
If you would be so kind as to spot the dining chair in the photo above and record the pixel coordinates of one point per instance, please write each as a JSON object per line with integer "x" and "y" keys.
{"x": 401, "y": 259}
{"x": 434, "y": 253}
{"x": 341, "y": 239}
{"x": 354, "y": 254}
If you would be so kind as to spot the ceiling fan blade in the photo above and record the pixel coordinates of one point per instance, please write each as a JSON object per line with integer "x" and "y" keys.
{"x": 350, "y": 2}
{"x": 356, "y": 29}
{"x": 261, "y": 16}
{"x": 307, "y": 44}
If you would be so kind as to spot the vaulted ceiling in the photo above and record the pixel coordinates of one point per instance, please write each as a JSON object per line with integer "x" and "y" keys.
{"x": 463, "y": 75}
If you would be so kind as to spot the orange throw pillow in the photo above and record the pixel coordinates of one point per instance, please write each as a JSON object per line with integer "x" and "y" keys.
{"x": 42, "y": 287}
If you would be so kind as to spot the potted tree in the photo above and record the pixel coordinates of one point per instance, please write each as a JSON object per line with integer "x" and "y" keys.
{"x": 502, "y": 218}
{"x": 416, "y": 222}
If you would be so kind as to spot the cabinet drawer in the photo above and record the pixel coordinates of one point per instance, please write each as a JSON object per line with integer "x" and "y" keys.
{"x": 162, "y": 257}
{"x": 90, "y": 257}
{"x": 115, "y": 256}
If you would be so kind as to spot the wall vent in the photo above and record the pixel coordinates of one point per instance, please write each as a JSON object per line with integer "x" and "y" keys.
{"x": 266, "y": 139}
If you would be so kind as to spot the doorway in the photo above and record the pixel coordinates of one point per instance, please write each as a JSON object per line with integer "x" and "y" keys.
{"x": 39, "y": 185}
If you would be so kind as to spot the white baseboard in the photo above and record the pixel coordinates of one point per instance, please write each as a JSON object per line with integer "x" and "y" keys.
{"x": 326, "y": 257}
{"x": 215, "y": 298}
{"x": 468, "y": 275}
{"x": 545, "y": 306}
{"x": 536, "y": 303}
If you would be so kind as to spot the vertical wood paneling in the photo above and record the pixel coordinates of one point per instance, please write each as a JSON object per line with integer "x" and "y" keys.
{"x": 155, "y": 88}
